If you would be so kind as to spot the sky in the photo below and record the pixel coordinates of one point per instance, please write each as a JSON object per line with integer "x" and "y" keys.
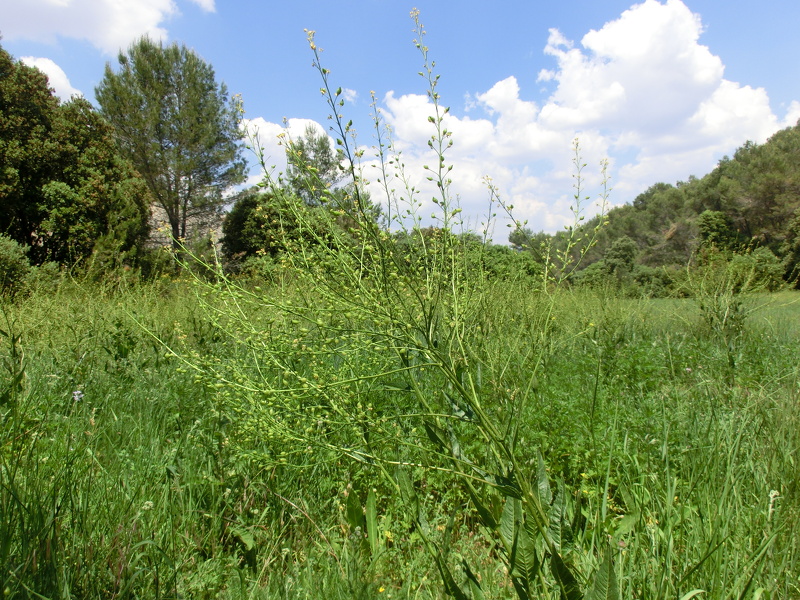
{"x": 662, "y": 89}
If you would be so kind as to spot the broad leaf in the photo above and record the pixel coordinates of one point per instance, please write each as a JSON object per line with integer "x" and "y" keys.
{"x": 566, "y": 580}
{"x": 605, "y": 585}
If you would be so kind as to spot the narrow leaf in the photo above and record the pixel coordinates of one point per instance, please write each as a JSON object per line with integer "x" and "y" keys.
{"x": 483, "y": 512}
{"x": 545, "y": 494}
{"x": 355, "y": 514}
{"x": 474, "y": 584}
{"x": 372, "y": 522}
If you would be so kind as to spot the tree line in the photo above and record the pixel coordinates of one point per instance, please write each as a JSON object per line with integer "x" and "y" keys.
{"x": 80, "y": 184}
{"x": 87, "y": 186}
{"x": 747, "y": 207}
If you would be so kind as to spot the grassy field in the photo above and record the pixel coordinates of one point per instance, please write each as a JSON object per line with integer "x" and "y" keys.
{"x": 192, "y": 440}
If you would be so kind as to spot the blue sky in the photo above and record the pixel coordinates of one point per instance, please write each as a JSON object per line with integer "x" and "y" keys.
{"x": 662, "y": 88}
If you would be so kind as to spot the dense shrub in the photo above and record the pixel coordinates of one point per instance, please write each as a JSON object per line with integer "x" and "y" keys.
{"x": 14, "y": 266}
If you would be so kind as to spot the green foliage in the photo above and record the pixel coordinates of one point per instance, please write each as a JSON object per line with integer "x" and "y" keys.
{"x": 621, "y": 256}
{"x": 64, "y": 189}
{"x": 790, "y": 250}
{"x": 716, "y": 230}
{"x": 14, "y": 266}
{"x": 747, "y": 201}
{"x": 178, "y": 127}
{"x": 314, "y": 169}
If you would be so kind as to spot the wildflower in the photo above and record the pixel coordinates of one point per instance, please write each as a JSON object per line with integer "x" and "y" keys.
{"x": 148, "y": 505}
{"x": 77, "y": 396}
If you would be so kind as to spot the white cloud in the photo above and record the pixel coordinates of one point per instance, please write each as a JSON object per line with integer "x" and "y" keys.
{"x": 109, "y": 25}
{"x": 792, "y": 115}
{"x": 55, "y": 74}
{"x": 267, "y": 140}
{"x": 349, "y": 95}
{"x": 642, "y": 91}
{"x": 206, "y": 5}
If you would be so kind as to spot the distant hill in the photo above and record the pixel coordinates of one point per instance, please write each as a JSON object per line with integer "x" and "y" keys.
{"x": 749, "y": 201}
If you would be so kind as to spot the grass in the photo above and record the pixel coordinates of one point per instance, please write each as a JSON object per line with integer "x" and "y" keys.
{"x": 158, "y": 480}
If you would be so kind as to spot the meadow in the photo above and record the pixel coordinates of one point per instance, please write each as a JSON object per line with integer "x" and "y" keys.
{"x": 376, "y": 411}
{"x": 201, "y": 438}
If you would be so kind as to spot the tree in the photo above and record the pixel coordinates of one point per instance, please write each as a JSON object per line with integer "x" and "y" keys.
{"x": 27, "y": 109}
{"x": 313, "y": 167}
{"x": 65, "y": 190}
{"x": 178, "y": 127}
{"x": 621, "y": 256}
{"x": 716, "y": 230}
{"x": 261, "y": 223}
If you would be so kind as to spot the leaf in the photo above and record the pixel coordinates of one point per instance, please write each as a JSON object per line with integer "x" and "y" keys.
{"x": 523, "y": 561}
{"x": 355, "y": 515}
{"x": 566, "y": 580}
{"x": 474, "y": 584}
{"x": 372, "y": 522}
{"x": 463, "y": 412}
{"x": 512, "y": 515}
{"x": 605, "y": 585}
{"x": 450, "y": 584}
{"x": 626, "y": 525}
{"x": 483, "y": 512}
{"x": 543, "y": 485}
{"x": 526, "y": 559}
{"x": 506, "y": 485}
{"x": 245, "y": 537}
{"x": 436, "y": 435}
{"x": 559, "y": 528}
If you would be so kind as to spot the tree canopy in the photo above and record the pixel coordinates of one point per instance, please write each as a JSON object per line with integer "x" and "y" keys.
{"x": 65, "y": 190}
{"x": 179, "y": 128}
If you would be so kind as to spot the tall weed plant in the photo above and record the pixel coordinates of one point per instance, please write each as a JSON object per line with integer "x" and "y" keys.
{"x": 412, "y": 367}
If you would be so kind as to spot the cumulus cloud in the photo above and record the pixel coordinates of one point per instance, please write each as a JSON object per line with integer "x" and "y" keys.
{"x": 268, "y": 141}
{"x": 55, "y": 74}
{"x": 109, "y": 25}
{"x": 642, "y": 91}
{"x": 206, "y": 5}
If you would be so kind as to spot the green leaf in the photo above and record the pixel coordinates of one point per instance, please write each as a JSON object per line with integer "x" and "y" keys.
{"x": 543, "y": 485}
{"x": 355, "y": 514}
{"x": 509, "y": 521}
{"x": 558, "y": 527}
{"x": 245, "y": 537}
{"x": 605, "y": 585}
{"x": 449, "y": 581}
{"x": 483, "y": 512}
{"x": 626, "y": 525}
{"x": 507, "y": 486}
{"x": 566, "y": 580}
{"x": 372, "y": 522}
{"x": 523, "y": 560}
{"x": 437, "y": 436}
{"x": 474, "y": 584}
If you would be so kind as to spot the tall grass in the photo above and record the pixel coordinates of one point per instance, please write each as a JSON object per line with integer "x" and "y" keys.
{"x": 392, "y": 422}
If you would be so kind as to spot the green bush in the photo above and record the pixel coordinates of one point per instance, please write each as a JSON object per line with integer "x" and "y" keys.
{"x": 15, "y": 269}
